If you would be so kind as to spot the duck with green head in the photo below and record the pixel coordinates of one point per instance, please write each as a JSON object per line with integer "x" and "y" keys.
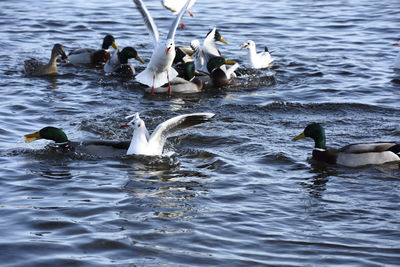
{"x": 119, "y": 64}
{"x": 102, "y": 148}
{"x": 221, "y": 75}
{"x": 187, "y": 84}
{"x": 34, "y": 67}
{"x": 94, "y": 56}
{"x": 352, "y": 155}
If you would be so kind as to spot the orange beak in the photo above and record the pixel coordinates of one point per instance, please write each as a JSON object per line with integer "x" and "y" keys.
{"x": 124, "y": 126}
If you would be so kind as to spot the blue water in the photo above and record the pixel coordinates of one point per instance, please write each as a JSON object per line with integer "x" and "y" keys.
{"x": 236, "y": 191}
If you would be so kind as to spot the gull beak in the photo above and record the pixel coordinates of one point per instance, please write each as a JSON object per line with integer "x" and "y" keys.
{"x": 139, "y": 59}
{"x": 124, "y": 125}
{"x": 243, "y": 46}
{"x": 300, "y": 136}
{"x": 223, "y": 41}
{"x": 397, "y": 44}
{"x": 229, "y": 62}
{"x": 114, "y": 45}
{"x": 167, "y": 50}
{"x": 32, "y": 137}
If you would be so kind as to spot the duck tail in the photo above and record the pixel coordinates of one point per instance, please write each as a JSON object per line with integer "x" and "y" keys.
{"x": 395, "y": 149}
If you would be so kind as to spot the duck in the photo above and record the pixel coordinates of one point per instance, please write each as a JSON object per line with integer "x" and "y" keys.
{"x": 397, "y": 61}
{"x": 93, "y": 56}
{"x": 153, "y": 145}
{"x": 189, "y": 84}
{"x": 176, "y": 5}
{"x": 219, "y": 74}
{"x": 119, "y": 65}
{"x": 90, "y": 147}
{"x": 353, "y": 155}
{"x": 159, "y": 70}
{"x": 34, "y": 67}
{"x": 208, "y": 50}
{"x": 257, "y": 60}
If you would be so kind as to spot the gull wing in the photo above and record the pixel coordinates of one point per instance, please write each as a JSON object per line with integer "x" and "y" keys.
{"x": 148, "y": 20}
{"x": 163, "y": 130}
{"x": 174, "y": 25}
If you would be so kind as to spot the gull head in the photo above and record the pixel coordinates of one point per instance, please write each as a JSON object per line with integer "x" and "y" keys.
{"x": 136, "y": 121}
{"x": 248, "y": 44}
{"x": 169, "y": 45}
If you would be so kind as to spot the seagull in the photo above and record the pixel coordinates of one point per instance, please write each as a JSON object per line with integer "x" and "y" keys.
{"x": 159, "y": 70}
{"x": 176, "y": 5}
{"x": 258, "y": 60}
{"x": 208, "y": 50}
{"x": 397, "y": 62}
{"x": 152, "y": 145}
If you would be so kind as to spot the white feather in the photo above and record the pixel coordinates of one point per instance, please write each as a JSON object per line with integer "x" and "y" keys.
{"x": 355, "y": 160}
{"x": 257, "y": 60}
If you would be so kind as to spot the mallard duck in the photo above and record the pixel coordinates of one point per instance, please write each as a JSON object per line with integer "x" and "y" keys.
{"x": 257, "y": 60}
{"x": 176, "y": 5}
{"x": 119, "y": 65}
{"x": 152, "y": 145}
{"x": 103, "y": 148}
{"x": 159, "y": 70}
{"x": 397, "y": 61}
{"x": 353, "y": 155}
{"x": 189, "y": 84}
{"x": 208, "y": 50}
{"x": 94, "y": 56}
{"x": 219, "y": 74}
{"x": 37, "y": 68}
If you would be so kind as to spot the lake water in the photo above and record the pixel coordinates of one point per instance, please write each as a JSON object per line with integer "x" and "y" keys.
{"x": 237, "y": 191}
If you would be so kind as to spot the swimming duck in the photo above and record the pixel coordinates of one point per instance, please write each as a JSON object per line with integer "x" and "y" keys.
{"x": 208, "y": 50}
{"x": 152, "y": 145}
{"x": 397, "y": 61}
{"x": 159, "y": 70}
{"x": 94, "y": 56}
{"x": 221, "y": 76}
{"x": 258, "y": 60}
{"x": 94, "y": 147}
{"x": 352, "y": 155}
{"x": 189, "y": 84}
{"x": 176, "y": 5}
{"x": 119, "y": 64}
{"x": 37, "y": 68}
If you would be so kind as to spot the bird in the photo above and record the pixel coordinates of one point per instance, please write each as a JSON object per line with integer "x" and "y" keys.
{"x": 258, "y": 60}
{"x": 152, "y": 145}
{"x": 353, "y": 155}
{"x": 119, "y": 65}
{"x": 189, "y": 84}
{"x": 93, "y": 56}
{"x": 397, "y": 61}
{"x": 103, "y": 148}
{"x": 34, "y": 67}
{"x": 176, "y": 5}
{"x": 219, "y": 74}
{"x": 208, "y": 50}
{"x": 159, "y": 70}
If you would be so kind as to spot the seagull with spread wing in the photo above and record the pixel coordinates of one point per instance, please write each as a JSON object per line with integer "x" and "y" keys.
{"x": 159, "y": 70}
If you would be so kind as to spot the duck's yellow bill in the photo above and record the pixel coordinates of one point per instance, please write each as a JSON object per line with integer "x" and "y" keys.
{"x": 139, "y": 59}
{"x": 223, "y": 41}
{"x": 300, "y": 136}
{"x": 229, "y": 62}
{"x": 32, "y": 137}
{"x": 114, "y": 45}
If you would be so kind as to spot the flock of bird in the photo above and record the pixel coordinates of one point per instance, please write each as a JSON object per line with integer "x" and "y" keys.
{"x": 195, "y": 64}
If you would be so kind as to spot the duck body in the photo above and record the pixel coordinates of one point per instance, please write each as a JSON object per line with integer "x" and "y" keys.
{"x": 152, "y": 145}
{"x": 159, "y": 70}
{"x": 34, "y": 67}
{"x": 102, "y": 148}
{"x": 220, "y": 74}
{"x": 93, "y": 56}
{"x": 258, "y": 60}
{"x": 119, "y": 63}
{"x": 353, "y": 155}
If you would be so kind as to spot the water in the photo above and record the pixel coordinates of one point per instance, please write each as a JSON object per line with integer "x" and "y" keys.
{"x": 237, "y": 190}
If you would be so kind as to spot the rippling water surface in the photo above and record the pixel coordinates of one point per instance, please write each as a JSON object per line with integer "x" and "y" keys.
{"x": 237, "y": 190}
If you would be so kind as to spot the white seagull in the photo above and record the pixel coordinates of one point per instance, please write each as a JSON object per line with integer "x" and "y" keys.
{"x": 176, "y": 5}
{"x": 397, "y": 61}
{"x": 143, "y": 144}
{"x": 258, "y": 60}
{"x": 159, "y": 70}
